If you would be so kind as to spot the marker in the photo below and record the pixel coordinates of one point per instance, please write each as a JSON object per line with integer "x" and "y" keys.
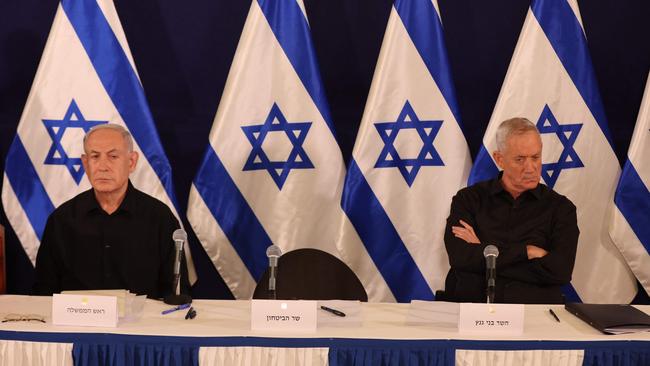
{"x": 333, "y": 311}
{"x": 179, "y": 307}
{"x": 191, "y": 313}
{"x": 554, "y": 315}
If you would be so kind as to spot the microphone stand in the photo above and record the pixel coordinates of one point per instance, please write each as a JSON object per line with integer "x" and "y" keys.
{"x": 490, "y": 253}
{"x": 177, "y": 298}
{"x": 273, "y": 252}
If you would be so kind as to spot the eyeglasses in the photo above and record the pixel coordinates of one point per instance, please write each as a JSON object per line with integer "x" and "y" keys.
{"x": 23, "y": 318}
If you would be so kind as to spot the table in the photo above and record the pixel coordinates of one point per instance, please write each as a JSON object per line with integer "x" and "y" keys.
{"x": 221, "y": 335}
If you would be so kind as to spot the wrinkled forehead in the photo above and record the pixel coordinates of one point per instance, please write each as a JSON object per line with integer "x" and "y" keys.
{"x": 526, "y": 144}
{"x": 105, "y": 140}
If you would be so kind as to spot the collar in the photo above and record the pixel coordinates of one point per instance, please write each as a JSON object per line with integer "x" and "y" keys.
{"x": 89, "y": 202}
{"x": 496, "y": 188}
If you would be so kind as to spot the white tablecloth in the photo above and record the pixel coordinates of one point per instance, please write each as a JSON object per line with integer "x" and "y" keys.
{"x": 222, "y": 329}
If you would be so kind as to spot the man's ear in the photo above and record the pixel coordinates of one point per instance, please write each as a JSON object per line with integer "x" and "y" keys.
{"x": 133, "y": 160}
{"x": 498, "y": 158}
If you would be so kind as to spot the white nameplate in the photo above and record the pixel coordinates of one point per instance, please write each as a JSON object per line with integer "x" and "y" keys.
{"x": 503, "y": 319}
{"x": 293, "y": 315}
{"x": 84, "y": 310}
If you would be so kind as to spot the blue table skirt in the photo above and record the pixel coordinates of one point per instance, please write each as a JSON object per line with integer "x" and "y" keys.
{"x": 118, "y": 349}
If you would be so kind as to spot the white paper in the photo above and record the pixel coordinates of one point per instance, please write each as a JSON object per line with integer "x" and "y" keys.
{"x": 439, "y": 313}
{"x": 351, "y": 309}
{"x": 282, "y": 315}
{"x": 503, "y": 319}
{"x": 84, "y": 310}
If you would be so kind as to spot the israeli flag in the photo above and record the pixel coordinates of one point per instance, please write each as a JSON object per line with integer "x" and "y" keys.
{"x": 410, "y": 158}
{"x": 551, "y": 82}
{"x": 86, "y": 77}
{"x": 273, "y": 171}
{"x": 630, "y": 226}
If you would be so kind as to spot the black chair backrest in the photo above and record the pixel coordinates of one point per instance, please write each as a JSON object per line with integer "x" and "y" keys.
{"x": 312, "y": 274}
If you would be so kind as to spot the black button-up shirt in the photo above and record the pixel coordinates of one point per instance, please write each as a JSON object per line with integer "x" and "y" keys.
{"x": 540, "y": 217}
{"x": 84, "y": 248}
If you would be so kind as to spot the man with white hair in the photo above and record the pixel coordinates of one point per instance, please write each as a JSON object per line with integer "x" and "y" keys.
{"x": 534, "y": 228}
{"x": 112, "y": 236}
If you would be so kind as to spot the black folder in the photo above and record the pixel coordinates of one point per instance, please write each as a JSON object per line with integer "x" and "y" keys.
{"x": 611, "y": 318}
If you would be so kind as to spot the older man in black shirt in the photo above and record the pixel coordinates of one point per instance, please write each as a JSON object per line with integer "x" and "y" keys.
{"x": 534, "y": 227}
{"x": 111, "y": 236}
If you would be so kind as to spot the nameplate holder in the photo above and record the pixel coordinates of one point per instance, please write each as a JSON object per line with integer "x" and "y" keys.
{"x": 502, "y": 319}
{"x": 84, "y": 310}
{"x": 283, "y": 315}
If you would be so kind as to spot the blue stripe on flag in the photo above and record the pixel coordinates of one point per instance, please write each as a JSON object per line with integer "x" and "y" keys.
{"x": 633, "y": 200}
{"x": 568, "y": 40}
{"x": 484, "y": 167}
{"x": 423, "y": 25}
{"x": 292, "y": 31}
{"x": 120, "y": 81}
{"x": 233, "y": 214}
{"x": 27, "y": 186}
{"x": 570, "y": 294}
{"x": 382, "y": 241}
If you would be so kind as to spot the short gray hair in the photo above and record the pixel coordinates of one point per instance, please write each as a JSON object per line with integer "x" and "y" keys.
{"x": 126, "y": 135}
{"x": 513, "y": 126}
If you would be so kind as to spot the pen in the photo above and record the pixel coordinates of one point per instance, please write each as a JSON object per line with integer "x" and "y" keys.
{"x": 191, "y": 313}
{"x": 554, "y": 315}
{"x": 179, "y": 307}
{"x": 333, "y": 311}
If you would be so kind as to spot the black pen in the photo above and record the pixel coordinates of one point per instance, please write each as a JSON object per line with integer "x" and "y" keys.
{"x": 554, "y": 315}
{"x": 191, "y": 313}
{"x": 333, "y": 311}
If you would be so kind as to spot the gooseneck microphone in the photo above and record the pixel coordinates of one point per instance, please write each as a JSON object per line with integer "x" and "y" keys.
{"x": 273, "y": 252}
{"x": 490, "y": 253}
{"x": 176, "y": 298}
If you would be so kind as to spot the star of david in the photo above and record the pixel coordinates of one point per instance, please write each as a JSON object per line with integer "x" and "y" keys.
{"x": 567, "y": 134}
{"x": 389, "y": 157}
{"x": 56, "y": 129}
{"x": 296, "y": 133}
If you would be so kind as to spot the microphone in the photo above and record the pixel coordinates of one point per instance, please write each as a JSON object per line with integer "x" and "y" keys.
{"x": 490, "y": 253}
{"x": 180, "y": 237}
{"x": 273, "y": 252}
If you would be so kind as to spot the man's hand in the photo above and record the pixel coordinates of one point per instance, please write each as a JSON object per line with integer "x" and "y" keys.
{"x": 466, "y": 232}
{"x": 535, "y": 251}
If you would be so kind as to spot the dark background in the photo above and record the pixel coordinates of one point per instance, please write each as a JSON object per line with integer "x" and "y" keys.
{"x": 183, "y": 51}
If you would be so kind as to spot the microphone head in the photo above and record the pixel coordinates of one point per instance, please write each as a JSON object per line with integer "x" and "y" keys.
{"x": 273, "y": 251}
{"x": 491, "y": 251}
{"x": 179, "y": 235}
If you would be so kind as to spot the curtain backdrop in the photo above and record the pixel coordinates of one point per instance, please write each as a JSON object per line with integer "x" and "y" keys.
{"x": 183, "y": 52}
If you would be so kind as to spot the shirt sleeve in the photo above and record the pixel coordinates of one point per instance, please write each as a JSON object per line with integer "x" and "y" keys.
{"x": 469, "y": 257}
{"x": 556, "y": 267}
{"x": 48, "y": 262}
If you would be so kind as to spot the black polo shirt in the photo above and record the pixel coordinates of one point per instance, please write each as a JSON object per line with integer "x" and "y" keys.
{"x": 539, "y": 217}
{"x": 84, "y": 248}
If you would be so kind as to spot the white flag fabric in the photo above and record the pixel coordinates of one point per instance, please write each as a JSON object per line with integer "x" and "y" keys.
{"x": 630, "y": 227}
{"x": 273, "y": 171}
{"x": 551, "y": 82}
{"x": 409, "y": 159}
{"x": 86, "y": 77}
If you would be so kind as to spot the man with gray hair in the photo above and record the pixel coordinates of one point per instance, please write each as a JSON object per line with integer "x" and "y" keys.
{"x": 534, "y": 228}
{"x": 112, "y": 236}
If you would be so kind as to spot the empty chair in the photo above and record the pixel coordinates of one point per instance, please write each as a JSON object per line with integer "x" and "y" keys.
{"x": 312, "y": 274}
